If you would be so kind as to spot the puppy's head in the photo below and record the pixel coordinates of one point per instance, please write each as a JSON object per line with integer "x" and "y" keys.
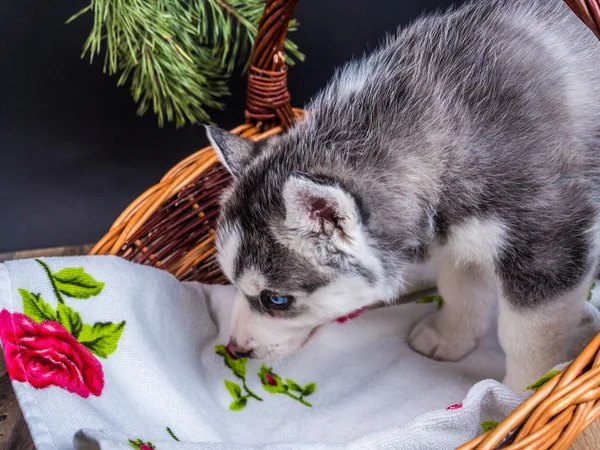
{"x": 294, "y": 244}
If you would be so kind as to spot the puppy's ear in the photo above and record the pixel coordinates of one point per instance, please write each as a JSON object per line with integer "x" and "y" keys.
{"x": 318, "y": 206}
{"x": 233, "y": 151}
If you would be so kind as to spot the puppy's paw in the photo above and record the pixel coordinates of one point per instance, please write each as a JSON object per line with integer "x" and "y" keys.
{"x": 430, "y": 340}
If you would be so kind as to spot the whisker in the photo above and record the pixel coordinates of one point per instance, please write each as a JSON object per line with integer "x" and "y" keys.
{"x": 290, "y": 362}
{"x": 362, "y": 331}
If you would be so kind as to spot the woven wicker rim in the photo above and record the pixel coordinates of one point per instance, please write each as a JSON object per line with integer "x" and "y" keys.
{"x": 171, "y": 226}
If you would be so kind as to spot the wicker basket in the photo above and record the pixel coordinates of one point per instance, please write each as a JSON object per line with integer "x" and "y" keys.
{"x": 170, "y": 226}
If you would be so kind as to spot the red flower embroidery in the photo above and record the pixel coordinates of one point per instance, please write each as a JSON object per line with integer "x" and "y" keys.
{"x": 272, "y": 381}
{"x": 453, "y": 407}
{"x": 352, "y": 315}
{"x": 45, "y": 354}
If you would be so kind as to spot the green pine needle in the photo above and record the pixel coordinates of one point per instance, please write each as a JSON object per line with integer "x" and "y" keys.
{"x": 176, "y": 55}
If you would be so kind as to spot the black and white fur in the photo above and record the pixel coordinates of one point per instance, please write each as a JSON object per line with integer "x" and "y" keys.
{"x": 470, "y": 141}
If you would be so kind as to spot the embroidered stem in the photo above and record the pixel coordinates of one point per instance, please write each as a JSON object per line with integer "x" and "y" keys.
{"x": 298, "y": 399}
{"x": 54, "y": 287}
{"x": 250, "y": 393}
{"x": 172, "y": 434}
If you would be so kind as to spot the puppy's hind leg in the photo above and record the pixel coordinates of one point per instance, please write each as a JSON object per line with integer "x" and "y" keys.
{"x": 537, "y": 338}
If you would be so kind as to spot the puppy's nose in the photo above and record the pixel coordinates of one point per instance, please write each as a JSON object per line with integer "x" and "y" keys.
{"x": 243, "y": 354}
{"x": 238, "y": 351}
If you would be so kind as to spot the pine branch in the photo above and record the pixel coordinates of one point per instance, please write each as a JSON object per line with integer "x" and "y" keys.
{"x": 177, "y": 55}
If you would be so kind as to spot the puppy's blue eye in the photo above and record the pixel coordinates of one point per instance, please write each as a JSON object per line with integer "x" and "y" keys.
{"x": 278, "y": 300}
{"x": 274, "y": 302}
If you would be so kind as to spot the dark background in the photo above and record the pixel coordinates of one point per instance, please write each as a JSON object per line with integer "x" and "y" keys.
{"x": 73, "y": 152}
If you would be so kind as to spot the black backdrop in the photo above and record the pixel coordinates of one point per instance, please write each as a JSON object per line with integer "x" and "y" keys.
{"x": 73, "y": 153}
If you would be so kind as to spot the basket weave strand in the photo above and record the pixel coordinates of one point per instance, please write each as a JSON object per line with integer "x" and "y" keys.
{"x": 171, "y": 226}
{"x": 268, "y": 97}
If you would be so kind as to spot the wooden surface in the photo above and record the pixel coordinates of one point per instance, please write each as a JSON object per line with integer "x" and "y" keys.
{"x": 14, "y": 434}
{"x": 589, "y": 439}
{"x": 57, "y": 251}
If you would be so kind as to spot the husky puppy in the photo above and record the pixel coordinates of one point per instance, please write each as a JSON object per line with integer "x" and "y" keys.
{"x": 470, "y": 140}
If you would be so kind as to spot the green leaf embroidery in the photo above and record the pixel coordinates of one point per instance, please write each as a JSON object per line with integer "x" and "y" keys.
{"x": 589, "y": 294}
{"x": 309, "y": 389}
{"x": 101, "y": 339}
{"x": 432, "y": 298}
{"x": 35, "y": 307}
{"x": 488, "y": 425}
{"x": 539, "y": 383}
{"x": 74, "y": 282}
{"x": 238, "y": 367}
{"x": 238, "y": 404}
{"x": 221, "y": 350}
{"x": 293, "y": 386}
{"x": 69, "y": 319}
{"x": 234, "y": 389}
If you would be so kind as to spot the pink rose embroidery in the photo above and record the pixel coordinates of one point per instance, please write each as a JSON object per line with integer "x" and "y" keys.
{"x": 454, "y": 407}
{"x": 46, "y": 354}
{"x": 352, "y": 315}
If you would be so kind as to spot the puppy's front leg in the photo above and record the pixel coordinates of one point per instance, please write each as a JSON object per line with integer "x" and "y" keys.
{"x": 452, "y": 332}
{"x": 537, "y": 338}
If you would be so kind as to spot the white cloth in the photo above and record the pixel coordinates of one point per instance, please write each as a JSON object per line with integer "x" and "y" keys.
{"x": 372, "y": 391}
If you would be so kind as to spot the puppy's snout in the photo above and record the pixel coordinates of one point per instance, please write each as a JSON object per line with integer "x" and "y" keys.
{"x": 239, "y": 351}
{"x": 243, "y": 354}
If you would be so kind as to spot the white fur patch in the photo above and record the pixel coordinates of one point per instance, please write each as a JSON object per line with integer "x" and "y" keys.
{"x": 342, "y": 296}
{"x": 240, "y": 321}
{"x": 228, "y": 244}
{"x": 476, "y": 241}
{"x": 354, "y": 77}
{"x": 251, "y": 282}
